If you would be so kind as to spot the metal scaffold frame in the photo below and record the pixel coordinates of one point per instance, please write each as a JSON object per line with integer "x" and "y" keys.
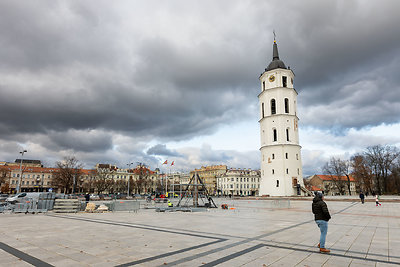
{"x": 192, "y": 192}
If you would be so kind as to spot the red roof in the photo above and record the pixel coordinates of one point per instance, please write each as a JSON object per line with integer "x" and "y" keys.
{"x": 334, "y": 177}
{"x": 314, "y": 188}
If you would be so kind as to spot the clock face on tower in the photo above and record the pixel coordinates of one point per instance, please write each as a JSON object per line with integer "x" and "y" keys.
{"x": 271, "y": 78}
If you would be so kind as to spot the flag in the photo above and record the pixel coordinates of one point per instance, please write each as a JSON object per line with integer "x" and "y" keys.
{"x": 172, "y": 163}
{"x": 165, "y": 162}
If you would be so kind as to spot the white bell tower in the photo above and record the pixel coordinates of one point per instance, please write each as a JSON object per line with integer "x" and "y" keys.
{"x": 281, "y": 168}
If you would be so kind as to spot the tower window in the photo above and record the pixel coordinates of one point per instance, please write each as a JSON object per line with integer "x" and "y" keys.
{"x": 273, "y": 156}
{"x": 273, "y": 171}
{"x": 287, "y": 134}
{"x": 287, "y": 171}
{"x": 298, "y": 171}
{"x": 273, "y": 107}
{"x": 287, "y": 155}
{"x": 277, "y": 183}
{"x": 263, "y": 85}
{"x": 275, "y": 136}
{"x": 284, "y": 81}
{"x": 286, "y": 105}
{"x": 297, "y": 156}
{"x": 262, "y": 109}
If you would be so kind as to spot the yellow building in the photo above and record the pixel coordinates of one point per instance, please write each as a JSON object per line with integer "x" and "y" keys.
{"x": 209, "y": 176}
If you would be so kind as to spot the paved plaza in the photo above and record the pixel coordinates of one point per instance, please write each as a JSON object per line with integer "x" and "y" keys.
{"x": 251, "y": 233}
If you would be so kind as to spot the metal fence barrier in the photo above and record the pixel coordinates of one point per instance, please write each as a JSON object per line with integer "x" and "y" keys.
{"x": 123, "y": 205}
{"x": 280, "y": 203}
{"x": 44, "y": 203}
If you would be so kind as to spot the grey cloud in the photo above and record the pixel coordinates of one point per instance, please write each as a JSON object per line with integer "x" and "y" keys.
{"x": 174, "y": 72}
{"x": 84, "y": 141}
{"x": 162, "y": 150}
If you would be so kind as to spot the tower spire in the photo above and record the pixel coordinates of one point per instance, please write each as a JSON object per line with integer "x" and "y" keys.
{"x": 276, "y": 62}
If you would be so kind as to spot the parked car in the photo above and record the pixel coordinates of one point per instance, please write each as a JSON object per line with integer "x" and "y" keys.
{"x": 94, "y": 197}
{"x": 20, "y": 196}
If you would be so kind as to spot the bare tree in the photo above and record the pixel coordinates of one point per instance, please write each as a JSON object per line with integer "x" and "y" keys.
{"x": 5, "y": 174}
{"x": 102, "y": 181}
{"x": 68, "y": 175}
{"x": 121, "y": 186}
{"x": 88, "y": 184}
{"x": 395, "y": 177}
{"x": 381, "y": 158}
{"x": 142, "y": 172}
{"x": 362, "y": 173}
{"x": 336, "y": 169}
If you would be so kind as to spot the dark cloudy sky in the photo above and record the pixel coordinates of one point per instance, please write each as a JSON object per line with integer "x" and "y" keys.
{"x": 146, "y": 81}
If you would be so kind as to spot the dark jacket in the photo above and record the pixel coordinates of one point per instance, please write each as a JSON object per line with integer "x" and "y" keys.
{"x": 320, "y": 209}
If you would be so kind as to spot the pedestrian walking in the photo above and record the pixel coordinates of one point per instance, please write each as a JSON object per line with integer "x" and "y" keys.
{"x": 362, "y": 197}
{"x": 87, "y": 197}
{"x": 321, "y": 216}
{"x": 377, "y": 198}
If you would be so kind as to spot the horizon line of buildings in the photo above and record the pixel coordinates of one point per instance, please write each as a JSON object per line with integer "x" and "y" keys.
{"x": 218, "y": 179}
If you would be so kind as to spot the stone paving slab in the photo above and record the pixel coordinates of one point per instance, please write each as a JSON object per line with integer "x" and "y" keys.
{"x": 254, "y": 233}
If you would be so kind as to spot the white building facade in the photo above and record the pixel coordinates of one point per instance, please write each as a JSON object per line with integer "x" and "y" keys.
{"x": 281, "y": 167}
{"x": 239, "y": 182}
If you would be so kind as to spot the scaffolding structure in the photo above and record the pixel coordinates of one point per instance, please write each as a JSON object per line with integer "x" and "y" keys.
{"x": 197, "y": 193}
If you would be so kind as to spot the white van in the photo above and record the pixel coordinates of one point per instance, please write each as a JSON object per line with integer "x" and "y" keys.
{"x": 22, "y": 196}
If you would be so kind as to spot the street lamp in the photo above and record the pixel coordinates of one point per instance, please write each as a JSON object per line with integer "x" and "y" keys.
{"x": 20, "y": 171}
{"x": 129, "y": 164}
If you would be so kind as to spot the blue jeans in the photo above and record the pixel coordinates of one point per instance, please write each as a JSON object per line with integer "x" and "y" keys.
{"x": 323, "y": 227}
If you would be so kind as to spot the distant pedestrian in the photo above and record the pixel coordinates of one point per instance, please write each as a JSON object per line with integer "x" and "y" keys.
{"x": 87, "y": 197}
{"x": 362, "y": 197}
{"x": 377, "y": 198}
{"x": 321, "y": 216}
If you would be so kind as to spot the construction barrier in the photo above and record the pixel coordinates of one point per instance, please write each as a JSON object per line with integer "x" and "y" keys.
{"x": 280, "y": 203}
{"x": 123, "y": 205}
{"x": 43, "y": 203}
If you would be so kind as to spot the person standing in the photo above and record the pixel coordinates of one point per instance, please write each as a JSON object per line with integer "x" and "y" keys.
{"x": 377, "y": 198}
{"x": 362, "y": 197}
{"x": 321, "y": 217}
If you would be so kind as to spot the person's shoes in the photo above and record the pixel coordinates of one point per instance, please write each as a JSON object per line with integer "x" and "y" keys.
{"x": 319, "y": 245}
{"x": 324, "y": 250}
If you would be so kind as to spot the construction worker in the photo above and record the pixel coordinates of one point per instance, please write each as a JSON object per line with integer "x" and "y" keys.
{"x": 170, "y": 204}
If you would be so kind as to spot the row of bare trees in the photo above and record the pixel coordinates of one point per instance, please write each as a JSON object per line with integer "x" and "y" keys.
{"x": 69, "y": 178}
{"x": 376, "y": 170}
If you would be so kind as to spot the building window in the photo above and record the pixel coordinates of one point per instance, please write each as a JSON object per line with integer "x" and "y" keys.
{"x": 263, "y": 85}
{"x": 287, "y": 171}
{"x": 273, "y": 156}
{"x": 286, "y": 155}
{"x": 284, "y": 81}
{"x": 273, "y": 107}
{"x": 297, "y": 156}
{"x": 286, "y": 105}
{"x": 262, "y": 110}
{"x": 273, "y": 171}
{"x": 275, "y": 136}
{"x": 298, "y": 171}
{"x": 277, "y": 183}
{"x": 287, "y": 134}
